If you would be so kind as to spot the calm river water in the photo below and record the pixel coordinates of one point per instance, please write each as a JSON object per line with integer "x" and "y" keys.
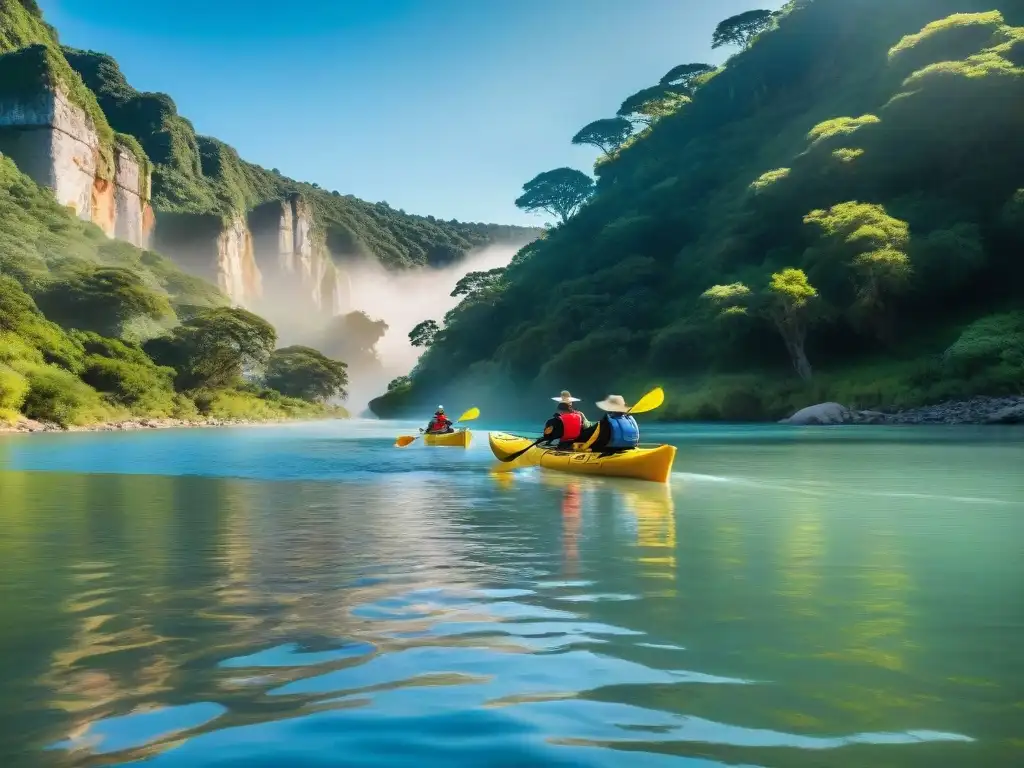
{"x": 308, "y": 595}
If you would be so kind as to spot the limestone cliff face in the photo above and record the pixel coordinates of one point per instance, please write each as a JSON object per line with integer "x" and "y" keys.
{"x": 238, "y": 275}
{"x": 295, "y": 260}
{"x": 55, "y": 143}
{"x": 218, "y": 251}
{"x": 133, "y": 217}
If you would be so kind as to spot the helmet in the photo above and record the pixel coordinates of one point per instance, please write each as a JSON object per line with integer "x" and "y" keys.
{"x": 440, "y": 409}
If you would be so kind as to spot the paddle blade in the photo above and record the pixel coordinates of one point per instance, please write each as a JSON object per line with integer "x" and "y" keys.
{"x": 650, "y": 401}
{"x": 469, "y": 415}
{"x": 404, "y": 440}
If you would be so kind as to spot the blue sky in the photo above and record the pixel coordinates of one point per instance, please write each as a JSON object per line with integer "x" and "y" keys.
{"x": 437, "y": 106}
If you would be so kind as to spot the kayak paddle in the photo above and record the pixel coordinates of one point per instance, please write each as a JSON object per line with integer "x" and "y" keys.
{"x": 648, "y": 402}
{"x": 405, "y": 440}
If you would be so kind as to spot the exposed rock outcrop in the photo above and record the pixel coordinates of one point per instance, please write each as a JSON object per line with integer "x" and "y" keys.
{"x": 55, "y": 143}
{"x": 294, "y": 260}
{"x": 218, "y": 251}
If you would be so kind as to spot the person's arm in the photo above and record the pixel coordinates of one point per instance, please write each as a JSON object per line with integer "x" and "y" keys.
{"x": 593, "y": 435}
{"x": 586, "y": 422}
{"x": 551, "y": 427}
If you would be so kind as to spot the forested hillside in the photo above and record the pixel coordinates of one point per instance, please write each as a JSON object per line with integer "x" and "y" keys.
{"x": 835, "y": 213}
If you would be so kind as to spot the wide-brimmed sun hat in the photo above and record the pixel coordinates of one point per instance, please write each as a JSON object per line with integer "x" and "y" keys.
{"x": 614, "y": 404}
{"x": 565, "y": 397}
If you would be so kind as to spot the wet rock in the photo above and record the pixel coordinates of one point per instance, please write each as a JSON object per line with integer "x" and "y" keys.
{"x": 823, "y": 413}
{"x": 1013, "y": 414}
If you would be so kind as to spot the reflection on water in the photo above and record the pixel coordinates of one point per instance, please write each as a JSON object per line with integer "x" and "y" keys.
{"x": 517, "y": 618}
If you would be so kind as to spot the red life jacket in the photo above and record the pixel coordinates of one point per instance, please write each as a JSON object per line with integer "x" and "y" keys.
{"x": 439, "y": 424}
{"x": 572, "y": 425}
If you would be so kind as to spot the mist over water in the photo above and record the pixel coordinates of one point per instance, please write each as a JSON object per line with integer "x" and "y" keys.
{"x": 403, "y": 300}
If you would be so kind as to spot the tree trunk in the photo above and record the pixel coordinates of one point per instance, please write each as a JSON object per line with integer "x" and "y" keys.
{"x": 794, "y": 340}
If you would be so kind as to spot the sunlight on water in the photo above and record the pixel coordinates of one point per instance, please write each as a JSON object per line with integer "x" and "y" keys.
{"x": 310, "y": 596}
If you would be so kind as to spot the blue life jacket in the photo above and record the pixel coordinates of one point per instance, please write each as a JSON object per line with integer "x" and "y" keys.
{"x": 625, "y": 432}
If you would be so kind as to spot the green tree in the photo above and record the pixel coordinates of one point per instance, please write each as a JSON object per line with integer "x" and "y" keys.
{"x": 872, "y": 244}
{"x": 648, "y": 105}
{"x": 423, "y": 334}
{"x": 560, "y": 192}
{"x": 788, "y": 302}
{"x": 353, "y": 338}
{"x": 606, "y": 134}
{"x": 102, "y": 300}
{"x": 307, "y": 374}
{"x": 682, "y": 78}
{"x": 475, "y": 285}
{"x": 214, "y": 347}
{"x": 741, "y": 29}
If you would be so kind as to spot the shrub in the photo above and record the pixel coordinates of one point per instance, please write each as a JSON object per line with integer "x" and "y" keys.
{"x": 59, "y": 396}
{"x": 13, "y": 388}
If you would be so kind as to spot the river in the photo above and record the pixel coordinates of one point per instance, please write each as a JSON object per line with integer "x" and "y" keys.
{"x": 308, "y": 595}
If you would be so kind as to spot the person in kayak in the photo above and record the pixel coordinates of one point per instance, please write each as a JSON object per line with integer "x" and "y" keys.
{"x": 617, "y": 431}
{"x": 440, "y": 424}
{"x": 567, "y": 424}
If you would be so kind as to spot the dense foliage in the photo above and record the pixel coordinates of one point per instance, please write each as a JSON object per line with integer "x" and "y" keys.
{"x": 847, "y": 191}
{"x": 78, "y": 313}
{"x": 306, "y": 373}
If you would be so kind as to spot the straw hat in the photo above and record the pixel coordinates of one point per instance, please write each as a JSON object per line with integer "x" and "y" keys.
{"x": 614, "y": 404}
{"x": 565, "y": 397}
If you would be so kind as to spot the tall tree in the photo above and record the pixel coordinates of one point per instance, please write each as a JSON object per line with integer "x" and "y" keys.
{"x": 214, "y": 347}
{"x": 560, "y": 192}
{"x": 682, "y": 78}
{"x": 606, "y": 134}
{"x": 741, "y": 29}
{"x": 788, "y": 302}
{"x": 651, "y": 104}
{"x": 424, "y": 333}
{"x": 863, "y": 238}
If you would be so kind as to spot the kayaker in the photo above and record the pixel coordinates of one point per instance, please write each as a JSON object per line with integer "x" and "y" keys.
{"x": 440, "y": 424}
{"x": 616, "y": 431}
{"x": 567, "y": 424}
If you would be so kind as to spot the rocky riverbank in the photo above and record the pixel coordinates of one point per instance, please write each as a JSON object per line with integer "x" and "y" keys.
{"x": 29, "y": 425}
{"x": 977, "y": 410}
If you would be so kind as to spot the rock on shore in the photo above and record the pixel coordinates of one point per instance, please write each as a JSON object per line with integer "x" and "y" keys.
{"x": 29, "y": 425}
{"x": 977, "y": 410}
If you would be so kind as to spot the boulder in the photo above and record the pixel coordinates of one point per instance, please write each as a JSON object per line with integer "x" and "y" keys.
{"x": 1012, "y": 415}
{"x": 822, "y": 413}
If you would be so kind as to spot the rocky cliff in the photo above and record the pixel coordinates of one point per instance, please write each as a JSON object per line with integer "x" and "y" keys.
{"x": 264, "y": 239}
{"x": 215, "y": 249}
{"x": 290, "y": 247}
{"x": 52, "y": 138}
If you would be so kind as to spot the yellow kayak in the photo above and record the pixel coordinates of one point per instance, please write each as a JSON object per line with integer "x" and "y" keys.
{"x": 459, "y": 439}
{"x": 653, "y": 464}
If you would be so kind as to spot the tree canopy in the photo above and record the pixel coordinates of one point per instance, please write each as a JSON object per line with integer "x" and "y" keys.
{"x": 683, "y": 77}
{"x": 307, "y": 374}
{"x": 606, "y": 134}
{"x": 423, "y": 334}
{"x": 742, "y": 28}
{"x": 102, "y": 299}
{"x": 560, "y": 192}
{"x": 215, "y": 347}
{"x": 650, "y": 104}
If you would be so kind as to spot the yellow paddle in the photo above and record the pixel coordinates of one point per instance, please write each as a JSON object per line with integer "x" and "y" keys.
{"x": 405, "y": 440}
{"x": 648, "y": 402}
